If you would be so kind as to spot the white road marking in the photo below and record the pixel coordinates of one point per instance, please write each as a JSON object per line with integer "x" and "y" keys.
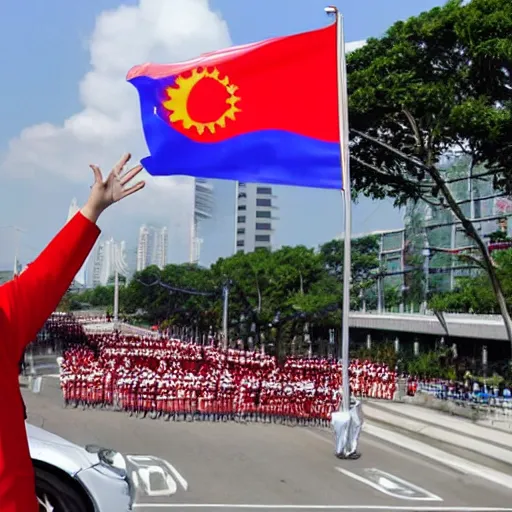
{"x": 458, "y": 463}
{"x": 386, "y": 508}
{"x": 377, "y": 443}
{"x": 147, "y": 467}
{"x": 389, "y": 487}
{"x": 169, "y": 487}
{"x": 176, "y": 475}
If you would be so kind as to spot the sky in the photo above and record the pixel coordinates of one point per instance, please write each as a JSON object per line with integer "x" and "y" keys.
{"x": 64, "y": 104}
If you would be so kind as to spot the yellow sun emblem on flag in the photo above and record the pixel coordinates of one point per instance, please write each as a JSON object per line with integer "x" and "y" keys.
{"x": 178, "y": 102}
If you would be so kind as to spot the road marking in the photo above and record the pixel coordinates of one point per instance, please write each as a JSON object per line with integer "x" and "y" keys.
{"x": 386, "y": 508}
{"x": 391, "y": 485}
{"x": 377, "y": 443}
{"x": 458, "y": 463}
{"x": 154, "y": 476}
{"x": 176, "y": 475}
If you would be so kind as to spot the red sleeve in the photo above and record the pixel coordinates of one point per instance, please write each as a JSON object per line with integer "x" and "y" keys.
{"x": 28, "y": 300}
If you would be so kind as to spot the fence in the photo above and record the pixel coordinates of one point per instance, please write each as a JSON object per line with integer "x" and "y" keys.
{"x": 487, "y": 406}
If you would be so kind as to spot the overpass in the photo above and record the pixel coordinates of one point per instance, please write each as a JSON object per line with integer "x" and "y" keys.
{"x": 484, "y": 327}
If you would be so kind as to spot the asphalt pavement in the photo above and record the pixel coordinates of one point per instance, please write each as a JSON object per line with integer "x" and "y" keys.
{"x": 231, "y": 466}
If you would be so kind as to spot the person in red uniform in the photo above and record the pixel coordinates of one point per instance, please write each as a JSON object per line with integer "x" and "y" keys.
{"x": 25, "y": 304}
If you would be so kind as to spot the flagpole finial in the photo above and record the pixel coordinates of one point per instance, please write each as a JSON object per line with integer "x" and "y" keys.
{"x": 331, "y": 9}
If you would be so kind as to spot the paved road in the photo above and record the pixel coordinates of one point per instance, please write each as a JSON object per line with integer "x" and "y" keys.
{"x": 264, "y": 467}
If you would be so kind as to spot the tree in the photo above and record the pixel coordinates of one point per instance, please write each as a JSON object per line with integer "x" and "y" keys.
{"x": 475, "y": 295}
{"x": 435, "y": 82}
{"x": 305, "y": 288}
{"x": 181, "y": 294}
{"x": 275, "y": 294}
{"x": 499, "y": 236}
{"x": 365, "y": 265}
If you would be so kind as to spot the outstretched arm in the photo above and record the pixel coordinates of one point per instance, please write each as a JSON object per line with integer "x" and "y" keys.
{"x": 28, "y": 300}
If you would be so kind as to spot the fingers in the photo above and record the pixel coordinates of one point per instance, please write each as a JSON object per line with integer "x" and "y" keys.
{"x": 116, "y": 171}
{"x": 98, "y": 178}
{"x": 131, "y": 174}
{"x": 135, "y": 188}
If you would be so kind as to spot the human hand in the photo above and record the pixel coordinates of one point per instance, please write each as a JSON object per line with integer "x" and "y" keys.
{"x": 105, "y": 193}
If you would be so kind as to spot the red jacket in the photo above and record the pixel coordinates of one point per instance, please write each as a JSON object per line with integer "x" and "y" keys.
{"x": 25, "y": 304}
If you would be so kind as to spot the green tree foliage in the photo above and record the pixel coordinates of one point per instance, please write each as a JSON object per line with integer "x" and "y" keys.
{"x": 435, "y": 82}
{"x": 274, "y": 297}
{"x": 475, "y": 295}
{"x": 381, "y": 353}
{"x": 98, "y": 297}
{"x": 365, "y": 267}
{"x": 499, "y": 236}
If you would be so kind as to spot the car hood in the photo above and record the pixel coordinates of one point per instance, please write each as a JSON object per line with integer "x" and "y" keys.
{"x": 57, "y": 451}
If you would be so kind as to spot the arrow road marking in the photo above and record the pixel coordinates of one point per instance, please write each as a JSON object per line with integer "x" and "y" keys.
{"x": 391, "y": 485}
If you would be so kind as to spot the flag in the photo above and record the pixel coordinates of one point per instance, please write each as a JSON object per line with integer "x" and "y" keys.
{"x": 265, "y": 112}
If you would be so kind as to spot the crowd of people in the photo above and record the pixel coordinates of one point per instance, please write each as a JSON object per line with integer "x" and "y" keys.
{"x": 165, "y": 377}
{"x": 470, "y": 390}
{"x": 161, "y": 376}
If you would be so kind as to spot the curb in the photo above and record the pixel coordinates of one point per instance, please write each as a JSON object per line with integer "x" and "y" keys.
{"x": 439, "y": 434}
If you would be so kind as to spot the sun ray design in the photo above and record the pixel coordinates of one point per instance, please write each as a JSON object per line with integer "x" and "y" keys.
{"x": 178, "y": 97}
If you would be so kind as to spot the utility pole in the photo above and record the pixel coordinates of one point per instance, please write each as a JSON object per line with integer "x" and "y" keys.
{"x": 380, "y": 291}
{"x": 116, "y": 297}
{"x": 426, "y": 270}
{"x": 225, "y": 294}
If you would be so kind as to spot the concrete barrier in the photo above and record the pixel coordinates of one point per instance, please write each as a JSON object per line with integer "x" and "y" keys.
{"x": 470, "y": 411}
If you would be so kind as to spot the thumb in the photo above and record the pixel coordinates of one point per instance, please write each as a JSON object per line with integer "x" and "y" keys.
{"x": 98, "y": 178}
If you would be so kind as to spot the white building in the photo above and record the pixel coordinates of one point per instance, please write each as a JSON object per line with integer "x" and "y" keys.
{"x": 190, "y": 203}
{"x": 160, "y": 249}
{"x": 152, "y": 247}
{"x": 255, "y": 207}
{"x": 203, "y": 208}
{"x": 109, "y": 257}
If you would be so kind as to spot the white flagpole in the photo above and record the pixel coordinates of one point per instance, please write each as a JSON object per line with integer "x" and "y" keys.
{"x": 347, "y": 200}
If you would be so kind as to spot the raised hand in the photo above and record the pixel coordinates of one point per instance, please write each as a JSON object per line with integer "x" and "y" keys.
{"x": 113, "y": 189}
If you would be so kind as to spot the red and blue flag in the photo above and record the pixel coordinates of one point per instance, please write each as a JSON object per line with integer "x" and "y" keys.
{"x": 265, "y": 112}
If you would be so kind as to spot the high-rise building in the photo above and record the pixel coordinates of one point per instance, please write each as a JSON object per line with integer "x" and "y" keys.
{"x": 142, "y": 248}
{"x": 434, "y": 236}
{"x": 109, "y": 257}
{"x": 191, "y": 204}
{"x": 160, "y": 249}
{"x": 203, "y": 208}
{"x": 255, "y": 207}
{"x": 152, "y": 247}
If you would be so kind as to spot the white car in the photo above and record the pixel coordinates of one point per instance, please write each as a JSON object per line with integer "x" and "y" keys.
{"x": 70, "y": 478}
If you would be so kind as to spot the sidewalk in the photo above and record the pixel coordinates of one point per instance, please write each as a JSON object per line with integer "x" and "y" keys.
{"x": 441, "y": 419}
{"x": 479, "y": 414}
{"x": 435, "y": 425}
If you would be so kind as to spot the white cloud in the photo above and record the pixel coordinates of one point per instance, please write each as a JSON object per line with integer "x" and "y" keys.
{"x": 354, "y": 45}
{"x": 109, "y": 123}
